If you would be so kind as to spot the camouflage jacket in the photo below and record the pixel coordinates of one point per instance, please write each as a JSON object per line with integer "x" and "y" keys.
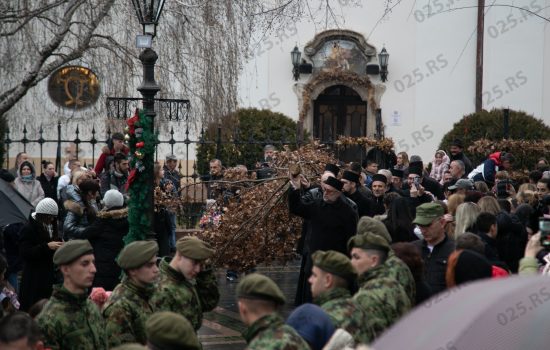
{"x": 126, "y": 311}
{"x": 346, "y": 313}
{"x": 188, "y": 298}
{"x": 382, "y": 297}
{"x": 400, "y": 271}
{"x": 71, "y": 321}
{"x": 270, "y": 333}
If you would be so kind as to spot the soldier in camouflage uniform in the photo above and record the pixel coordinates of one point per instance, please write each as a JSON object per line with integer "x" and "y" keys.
{"x": 396, "y": 268}
{"x": 259, "y": 299}
{"x": 380, "y": 295}
{"x": 69, "y": 319}
{"x": 331, "y": 277}
{"x": 168, "y": 330}
{"x": 128, "y": 308}
{"x": 185, "y": 286}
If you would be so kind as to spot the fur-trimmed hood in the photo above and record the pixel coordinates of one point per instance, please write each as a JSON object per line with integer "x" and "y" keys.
{"x": 74, "y": 207}
{"x": 113, "y": 213}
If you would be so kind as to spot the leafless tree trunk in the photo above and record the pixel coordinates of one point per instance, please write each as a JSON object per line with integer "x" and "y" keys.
{"x": 202, "y": 45}
{"x": 70, "y": 39}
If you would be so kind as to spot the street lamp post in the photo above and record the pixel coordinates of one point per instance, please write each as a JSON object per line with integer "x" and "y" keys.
{"x": 148, "y": 13}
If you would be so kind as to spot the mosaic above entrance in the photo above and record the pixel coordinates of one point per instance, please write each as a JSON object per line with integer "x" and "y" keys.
{"x": 340, "y": 55}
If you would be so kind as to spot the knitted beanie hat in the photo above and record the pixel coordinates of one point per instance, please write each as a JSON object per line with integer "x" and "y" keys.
{"x": 113, "y": 199}
{"x": 47, "y": 206}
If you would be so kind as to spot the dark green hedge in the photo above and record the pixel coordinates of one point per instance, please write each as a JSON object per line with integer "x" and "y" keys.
{"x": 490, "y": 125}
{"x": 244, "y": 134}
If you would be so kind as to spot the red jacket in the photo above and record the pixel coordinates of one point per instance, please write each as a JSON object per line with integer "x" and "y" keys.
{"x": 100, "y": 165}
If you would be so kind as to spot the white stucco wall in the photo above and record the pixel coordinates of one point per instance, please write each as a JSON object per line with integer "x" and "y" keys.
{"x": 440, "y": 49}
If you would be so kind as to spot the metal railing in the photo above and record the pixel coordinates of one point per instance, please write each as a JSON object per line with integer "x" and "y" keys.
{"x": 194, "y": 191}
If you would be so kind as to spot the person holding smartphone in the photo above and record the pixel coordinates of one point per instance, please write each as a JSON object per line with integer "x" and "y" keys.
{"x": 416, "y": 192}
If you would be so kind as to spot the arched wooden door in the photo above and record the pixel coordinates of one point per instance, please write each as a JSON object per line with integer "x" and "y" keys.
{"x": 339, "y": 110}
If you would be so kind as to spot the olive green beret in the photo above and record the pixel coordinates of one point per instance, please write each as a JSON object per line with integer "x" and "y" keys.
{"x": 369, "y": 242}
{"x": 194, "y": 248}
{"x": 171, "y": 330}
{"x": 335, "y": 263}
{"x": 137, "y": 254}
{"x": 368, "y": 225}
{"x": 256, "y": 286}
{"x": 72, "y": 250}
{"x": 130, "y": 346}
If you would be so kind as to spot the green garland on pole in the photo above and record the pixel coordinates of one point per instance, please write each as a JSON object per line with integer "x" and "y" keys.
{"x": 142, "y": 141}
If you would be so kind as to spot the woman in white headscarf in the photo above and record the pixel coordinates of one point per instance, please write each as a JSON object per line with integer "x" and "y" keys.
{"x": 440, "y": 164}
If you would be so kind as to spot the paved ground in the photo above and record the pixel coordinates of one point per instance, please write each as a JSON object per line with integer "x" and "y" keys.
{"x": 222, "y": 327}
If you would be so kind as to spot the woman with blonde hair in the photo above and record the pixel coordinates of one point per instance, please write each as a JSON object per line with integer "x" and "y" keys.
{"x": 489, "y": 204}
{"x": 402, "y": 161}
{"x": 452, "y": 203}
{"x": 527, "y": 197}
{"x": 465, "y": 218}
{"x": 527, "y": 186}
{"x": 481, "y": 186}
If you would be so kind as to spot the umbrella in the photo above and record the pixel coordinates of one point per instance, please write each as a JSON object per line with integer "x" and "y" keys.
{"x": 508, "y": 313}
{"x": 14, "y": 207}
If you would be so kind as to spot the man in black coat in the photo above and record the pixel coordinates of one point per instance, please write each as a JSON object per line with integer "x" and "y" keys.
{"x": 487, "y": 230}
{"x": 379, "y": 186}
{"x": 456, "y": 153}
{"x": 416, "y": 193}
{"x": 365, "y": 206}
{"x": 332, "y": 220}
{"x": 511, "y": 239}
{"x": 435, "y": 246}
{"x": 429, "y": 184}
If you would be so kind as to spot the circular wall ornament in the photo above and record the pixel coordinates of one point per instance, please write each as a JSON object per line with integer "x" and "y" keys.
{"x": 73, "y": 87}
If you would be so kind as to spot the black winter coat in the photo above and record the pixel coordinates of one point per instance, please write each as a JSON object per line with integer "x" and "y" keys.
{"x": 163, "y": 229}
{"x": 49, "y": 186}
{"x": 433, "y": 187}
{"x": 378, "y": 208}
{"x": 400, "y": 233}
{"x": 38, "y": 271}
{"x": 365, "y": 206}
{"x": 511, "y": 239}
{"x": 435, "y": 262}
{"x": 331, "y": 224}
{"x": 105, "y": 235}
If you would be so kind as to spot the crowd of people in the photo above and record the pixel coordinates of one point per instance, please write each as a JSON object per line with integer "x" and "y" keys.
{"x": 84, "y": 203}
{"x": 448, "y": 223}
{"x": 375, "y": 243}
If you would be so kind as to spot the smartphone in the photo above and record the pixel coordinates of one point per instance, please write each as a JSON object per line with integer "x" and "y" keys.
{"x": 416, "y": 181}
{"x": 544, "y": 228}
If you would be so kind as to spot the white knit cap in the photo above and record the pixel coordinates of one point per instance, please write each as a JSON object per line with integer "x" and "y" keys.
{"x": 47, "y": 206}
{"x": 112, "y": 199}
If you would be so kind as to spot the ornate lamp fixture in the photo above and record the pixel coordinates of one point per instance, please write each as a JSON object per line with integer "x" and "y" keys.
{"x": 383, "y": 57}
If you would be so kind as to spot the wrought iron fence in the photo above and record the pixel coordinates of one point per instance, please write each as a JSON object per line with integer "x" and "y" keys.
{"x": 180, "y": 138}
